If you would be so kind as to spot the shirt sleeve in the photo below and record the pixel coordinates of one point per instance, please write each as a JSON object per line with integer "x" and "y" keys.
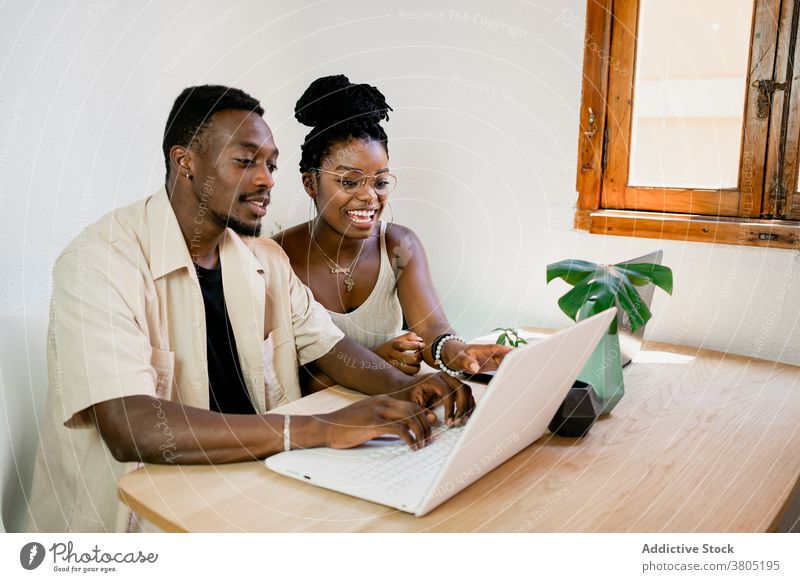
{"x": 315, "y": 334}
{"x": 97, "y": 350}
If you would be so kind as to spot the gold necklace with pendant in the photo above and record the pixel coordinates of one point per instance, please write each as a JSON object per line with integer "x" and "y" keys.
{"x": 349, "y": 283}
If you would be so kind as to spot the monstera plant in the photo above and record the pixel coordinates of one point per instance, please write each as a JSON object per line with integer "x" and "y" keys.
{"x": 595, "y": 288}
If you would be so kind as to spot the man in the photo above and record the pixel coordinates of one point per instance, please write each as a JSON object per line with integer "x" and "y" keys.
{"x": 174, "y": 330}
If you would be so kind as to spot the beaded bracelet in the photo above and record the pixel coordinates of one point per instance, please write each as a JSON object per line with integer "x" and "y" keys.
{"x": 437, "y": 352}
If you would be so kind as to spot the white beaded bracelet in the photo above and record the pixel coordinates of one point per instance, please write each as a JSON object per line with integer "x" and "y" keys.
{"x": 437, "y": 354}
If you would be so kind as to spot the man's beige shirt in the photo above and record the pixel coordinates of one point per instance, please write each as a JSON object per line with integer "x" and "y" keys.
{"x": 127, "y": 318}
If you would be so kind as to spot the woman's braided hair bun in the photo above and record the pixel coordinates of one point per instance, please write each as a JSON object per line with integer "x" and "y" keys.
{"x": 338, "y": 110}
{"x": 334, "y": 99}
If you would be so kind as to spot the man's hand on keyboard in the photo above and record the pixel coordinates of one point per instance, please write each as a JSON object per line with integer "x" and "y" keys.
{"x": 376, "y": 416}
{"x": 432, "y": 390}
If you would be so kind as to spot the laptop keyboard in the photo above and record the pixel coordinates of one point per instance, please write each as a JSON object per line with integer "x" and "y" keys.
{"x": 394, "y": 466}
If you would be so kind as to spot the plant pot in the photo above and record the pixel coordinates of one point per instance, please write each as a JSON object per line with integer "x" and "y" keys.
{"x": 604, "y": 372}
{"x": 577, "y": 413}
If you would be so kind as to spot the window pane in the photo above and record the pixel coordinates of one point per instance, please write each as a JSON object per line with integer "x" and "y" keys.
{"x": 689, "y": 93}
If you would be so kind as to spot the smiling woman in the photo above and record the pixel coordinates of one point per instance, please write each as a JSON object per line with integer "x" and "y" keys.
{"x": 370, "y": 275}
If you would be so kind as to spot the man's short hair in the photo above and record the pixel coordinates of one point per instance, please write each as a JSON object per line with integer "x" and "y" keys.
{"x": 193, "y": 109}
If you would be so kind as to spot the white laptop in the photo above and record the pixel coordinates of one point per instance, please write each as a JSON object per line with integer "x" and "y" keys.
{"x": 514, "y": 411}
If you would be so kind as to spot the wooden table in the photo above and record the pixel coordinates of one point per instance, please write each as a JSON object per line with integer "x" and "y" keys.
{"x": 702, "y": 441}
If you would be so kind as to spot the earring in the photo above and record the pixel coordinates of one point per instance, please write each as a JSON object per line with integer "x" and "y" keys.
{"x": 311, "y": 218}
{"x": 188, "y": 175}
{"x": 391, "y": 222}
{"x": 312, "y": 210}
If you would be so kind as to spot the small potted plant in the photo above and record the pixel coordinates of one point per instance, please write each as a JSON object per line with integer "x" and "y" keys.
{"x": 596, "y": 288}
{"x": 509, "y": 336}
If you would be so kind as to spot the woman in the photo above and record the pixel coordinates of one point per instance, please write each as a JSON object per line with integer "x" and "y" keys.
{"x": 367, "y": 273}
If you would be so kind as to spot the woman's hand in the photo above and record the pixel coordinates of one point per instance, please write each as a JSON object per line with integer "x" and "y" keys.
{"x": 403, "y": 352}
{"x": 432, "y": 390}
{"x": 473, "y": 358}
{"x": 372, "y": 417}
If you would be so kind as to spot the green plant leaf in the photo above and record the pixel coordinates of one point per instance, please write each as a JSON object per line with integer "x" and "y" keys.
{"x": 597, "y": 294}
{"x": 510, "y": 336}
{"x": 644, "y": 273}
{"x": 633, "y": 304}
{"x": 571, "y": 270}
{"x": 598, "y": 287}
{"x": 594, "y": 307}
{"x": 572, "y": 301}
{"x": 601, "y": 301}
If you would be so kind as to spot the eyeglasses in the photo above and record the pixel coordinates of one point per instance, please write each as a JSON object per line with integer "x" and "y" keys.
{"x": 353, "y": 181}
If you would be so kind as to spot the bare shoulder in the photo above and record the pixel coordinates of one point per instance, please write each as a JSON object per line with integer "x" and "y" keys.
{"x": 266, "y": 246}
{"x": 294, "y": 241}
{"x": 399, "y": 234}
{"x": 399, "y": 237}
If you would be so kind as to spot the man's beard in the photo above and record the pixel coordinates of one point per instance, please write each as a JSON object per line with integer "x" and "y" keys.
{"x": 237, "y": 225}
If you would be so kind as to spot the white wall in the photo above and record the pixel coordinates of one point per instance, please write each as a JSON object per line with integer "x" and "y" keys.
{"x": 483, "y": 138}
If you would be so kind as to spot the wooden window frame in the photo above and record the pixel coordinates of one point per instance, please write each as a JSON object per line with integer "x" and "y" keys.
{"x": 741, "y": 216}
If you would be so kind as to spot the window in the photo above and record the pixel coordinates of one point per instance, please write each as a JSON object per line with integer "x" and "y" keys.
{"x": 690, "y": 121}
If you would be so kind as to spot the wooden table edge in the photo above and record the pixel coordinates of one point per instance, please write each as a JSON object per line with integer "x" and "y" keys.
{"x": 143, "y": 512}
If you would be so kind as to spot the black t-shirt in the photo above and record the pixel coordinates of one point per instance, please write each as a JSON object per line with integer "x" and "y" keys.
{"x": 226, "y": 388}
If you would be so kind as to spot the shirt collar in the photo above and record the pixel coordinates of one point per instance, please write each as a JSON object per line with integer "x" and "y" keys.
{"x": 168, "y": 250}
{"x": 235, "y": 250}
